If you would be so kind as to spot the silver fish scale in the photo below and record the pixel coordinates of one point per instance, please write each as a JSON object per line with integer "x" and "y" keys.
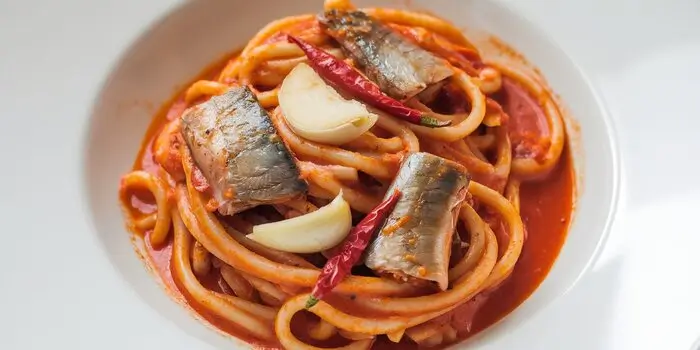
{"x": 236, "y": 146}
{"x": 432, "y": 189}
{"x": 400, "y": 68}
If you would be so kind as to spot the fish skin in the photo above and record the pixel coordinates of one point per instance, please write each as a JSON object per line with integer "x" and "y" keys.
{"x": 433, "y": 190}
{"x": 400, "y": 68}
{"x": 234, "y": 143}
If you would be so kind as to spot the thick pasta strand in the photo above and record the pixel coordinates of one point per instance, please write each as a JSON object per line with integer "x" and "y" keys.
{"x": 370, "y": 142}
{"x": 239, "y": 285}
{"x": 146, "y": 223}
{"x": 159, "y": 189}
{"x": 469, "y": 123}
{"x": 248, "y": 315}
{"x": 477, "y": 242}
{"x": 416, "y": 19}
{"x": 267, "y": 289}
{"x": 204, "y": 88}
{"x": 230, "y": 71}
{"x": 273, "y": 71}
{"x": 201, "y": 260}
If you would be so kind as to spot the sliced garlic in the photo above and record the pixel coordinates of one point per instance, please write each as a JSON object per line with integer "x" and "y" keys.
{"x": 315, "y": 111}
{"x": 311, "y": 233}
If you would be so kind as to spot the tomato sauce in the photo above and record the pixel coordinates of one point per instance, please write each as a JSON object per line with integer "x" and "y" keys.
{"x": 529, "y": 130}
{"x": 546, "y": 209}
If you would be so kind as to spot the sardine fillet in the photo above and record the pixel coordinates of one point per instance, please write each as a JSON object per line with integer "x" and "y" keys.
{"x": 400, "y": 68}
{"x": 234, "y": 143}
{"x": 417, "y": 248}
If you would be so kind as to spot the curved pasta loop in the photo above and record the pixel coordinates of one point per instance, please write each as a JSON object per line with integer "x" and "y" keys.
{"x": 463, "y": 127}
{"x": 478, "y": 231}
{"x": 146, "y": 223}
{"x": 495, "y": 175}
{"x": 377, "y": 325}
{"x": 530, "y": 168}
{"x": 489, "y": 80}
{"x": 432, "y": 23}
{"x": 273, "y": 71}
{"x": 289, "y": 341}
{"x": 512, "y": 193}
{"x": 159, "y": 190}
{"x": 511, "y": 217}
{"x": 408, "y": 138}
{"x": 262, "y": 53}
{"x": 272, "y": 28}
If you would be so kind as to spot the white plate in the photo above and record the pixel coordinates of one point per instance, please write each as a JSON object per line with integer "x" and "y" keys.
{"x": 66, "y": 283}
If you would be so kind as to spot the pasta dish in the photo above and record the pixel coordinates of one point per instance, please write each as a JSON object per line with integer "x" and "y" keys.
{"x": 354, "y": 179}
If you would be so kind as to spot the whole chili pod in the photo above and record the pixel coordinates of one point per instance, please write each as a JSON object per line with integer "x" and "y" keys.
{"x": 345, "y": 77}
{"x": 339, "y": 266}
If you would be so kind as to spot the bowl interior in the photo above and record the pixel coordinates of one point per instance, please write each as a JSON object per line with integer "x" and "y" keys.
{"x": 176, "y": 48}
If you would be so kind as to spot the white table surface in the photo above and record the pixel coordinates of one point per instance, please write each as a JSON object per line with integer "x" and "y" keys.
{"x": 643, "y": 292}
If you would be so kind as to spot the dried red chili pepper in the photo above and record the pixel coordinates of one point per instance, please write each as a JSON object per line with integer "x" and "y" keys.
{"x": 345, "y": 77}
{"x": 339, "y": 266}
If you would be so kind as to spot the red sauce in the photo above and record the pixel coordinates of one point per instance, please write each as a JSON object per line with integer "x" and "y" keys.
{"x": 546, "y": 211}
{"x": 160, "y": 260}
{"x": 528, "y": 128}
{"x": 546, "y": 208}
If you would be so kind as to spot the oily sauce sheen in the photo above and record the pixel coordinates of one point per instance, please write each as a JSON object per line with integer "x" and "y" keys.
{"x": 546, "y": 208}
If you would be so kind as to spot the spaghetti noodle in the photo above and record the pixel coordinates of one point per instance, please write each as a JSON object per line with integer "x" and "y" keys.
{"x": 261, "y": 292}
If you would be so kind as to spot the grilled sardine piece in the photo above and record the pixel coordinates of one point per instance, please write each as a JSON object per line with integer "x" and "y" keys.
{"x": 400, "y": 68}
{"x": 234, "y": 143}
{"x": 414, "y": 244}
